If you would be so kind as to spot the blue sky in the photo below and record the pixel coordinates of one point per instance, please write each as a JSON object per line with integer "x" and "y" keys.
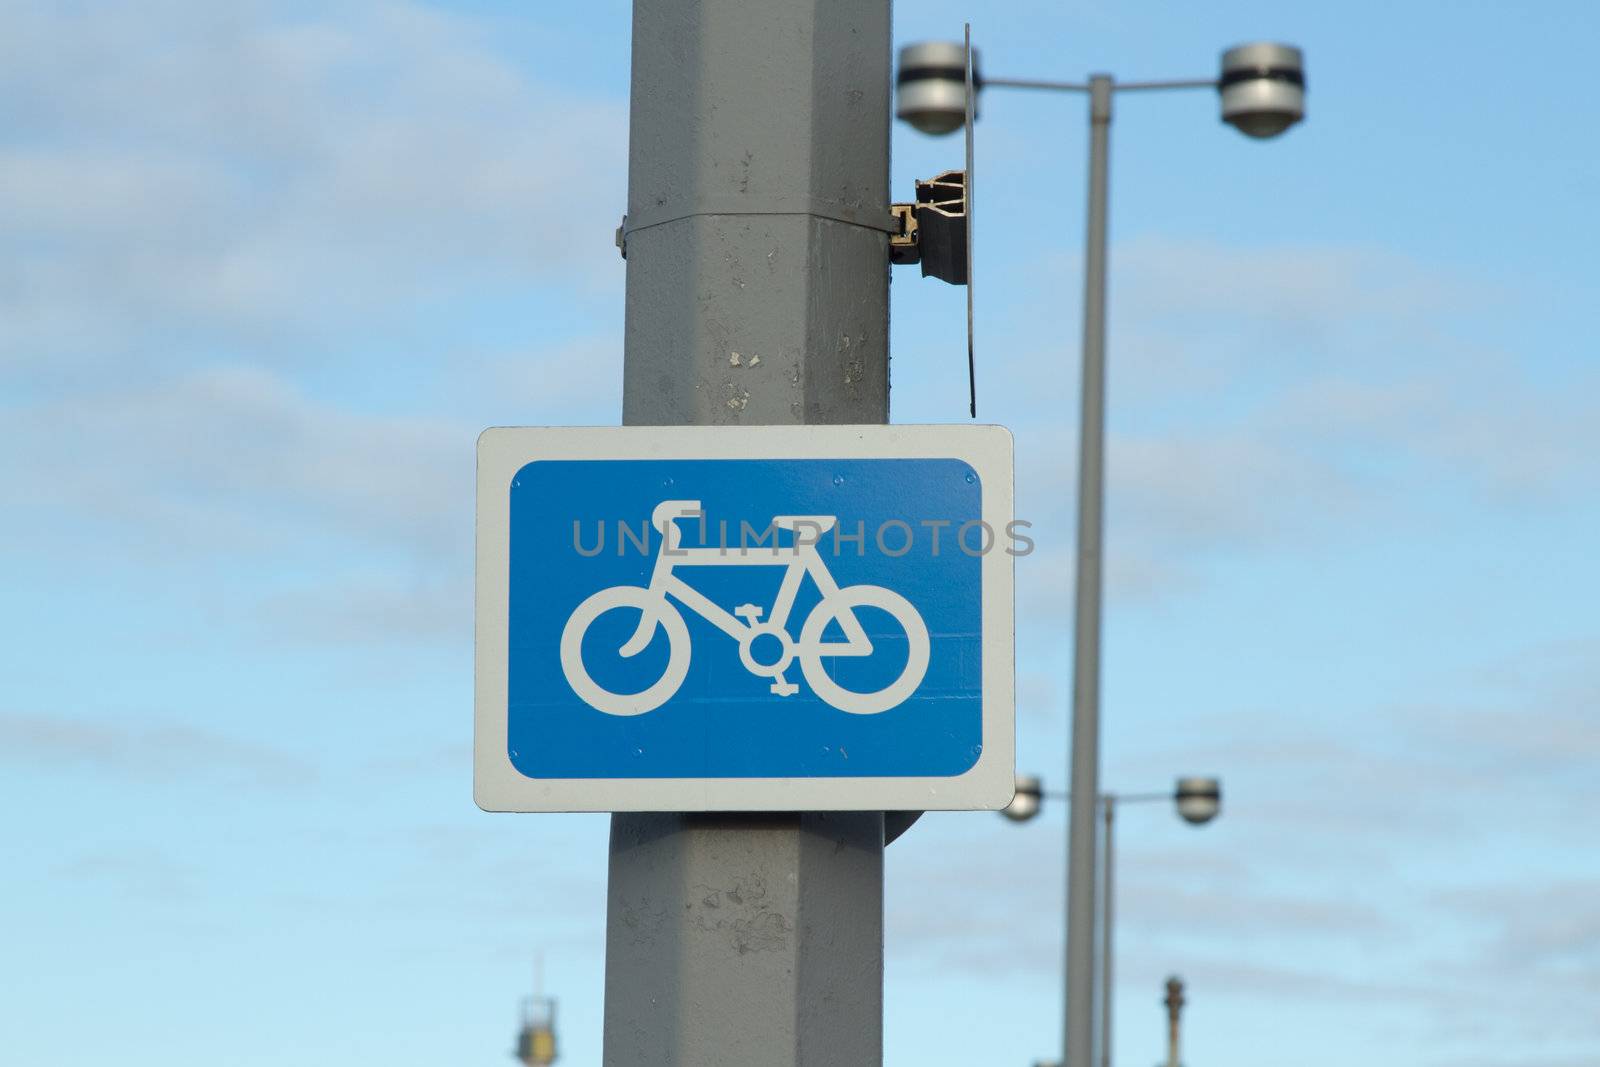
{"x": 267, "y": 267}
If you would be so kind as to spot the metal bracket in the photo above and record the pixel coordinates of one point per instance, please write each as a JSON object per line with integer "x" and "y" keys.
{"x": 933, "y": 230}
{"x": 903, "y": 239}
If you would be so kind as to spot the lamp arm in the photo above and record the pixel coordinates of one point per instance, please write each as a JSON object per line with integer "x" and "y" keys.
{"x": 1182, "y": 83}
{"x": 1142, "y": 798}
{"x": 1120, "y": 798}
{"x": 1083, "y": 87}
{"x": 1029, "y": 83}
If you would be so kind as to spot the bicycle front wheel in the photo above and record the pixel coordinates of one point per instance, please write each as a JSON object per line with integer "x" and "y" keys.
{"x": 842, "y": 603}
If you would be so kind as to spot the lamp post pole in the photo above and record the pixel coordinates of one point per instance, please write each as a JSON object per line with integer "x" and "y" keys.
{"x": 1084, "y": 767}
{"x": 1108, "y": 899}
{"x": 1174, "y": 1003}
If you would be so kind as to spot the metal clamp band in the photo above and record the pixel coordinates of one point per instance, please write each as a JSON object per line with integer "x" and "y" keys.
{"x": 741, "y": 206}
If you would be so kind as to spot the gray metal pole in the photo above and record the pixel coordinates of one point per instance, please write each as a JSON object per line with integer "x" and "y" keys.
{"x": 1108, "y": 901}
{"x": 1174, "y": 1003}
{"x": 757, "y": 292}
{"x": 1085, "y": 763}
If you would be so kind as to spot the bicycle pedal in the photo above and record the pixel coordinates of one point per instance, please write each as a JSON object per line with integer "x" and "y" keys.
{"x": 785, "y": 689}
{"x": 750, "y": 613}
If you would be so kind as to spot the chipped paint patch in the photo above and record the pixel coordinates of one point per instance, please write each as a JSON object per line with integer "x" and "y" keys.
{"x": 744, "y": 914}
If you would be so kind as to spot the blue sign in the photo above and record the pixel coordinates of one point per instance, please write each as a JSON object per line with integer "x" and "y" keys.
{"x": 738, "y": 619}
{"x": 693, "y": 618}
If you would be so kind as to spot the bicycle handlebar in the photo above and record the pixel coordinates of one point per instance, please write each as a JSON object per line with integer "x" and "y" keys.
{"x": 669, "y": 511}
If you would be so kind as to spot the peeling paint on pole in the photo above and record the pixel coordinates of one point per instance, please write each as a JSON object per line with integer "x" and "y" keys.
{"x": 758, "y": 210}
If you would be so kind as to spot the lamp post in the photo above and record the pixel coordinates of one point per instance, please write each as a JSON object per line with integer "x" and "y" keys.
{"x": 1174, "y": 1002}
{"x": 1197, "y": 801}
{"x": 536, "y": 1042}
{"x": 1262, "y": 90}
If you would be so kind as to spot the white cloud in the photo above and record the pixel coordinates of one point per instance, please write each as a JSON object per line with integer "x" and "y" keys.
{"x": 236, "y": 458}
{"x": 1551, "y": 927}
{"x": 378, "y": 606}
{"x": 233, "y": 459}
{"x": 359, "y": 520}
{"x": 1487, "y": 423}
{"x": 1281, "y": 400}
{"x": 151, "y": 753}
{"x": 147, "y": 875}
{"x": 1193, "y": 891}
{"x": 1430, "y": 858}
{"x": 245, "y": 173}
{"x": 1301, "y": 285}
{"x": 209, "y": 228}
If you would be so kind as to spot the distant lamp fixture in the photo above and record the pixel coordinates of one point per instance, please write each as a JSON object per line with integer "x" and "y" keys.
{"x": 1025, "y": 805}
{"x": 1262, "y": 85}
{"x": 1199, "y": 799}
{"x": 1263, "y": 88}
{"x": 931, "y": 91}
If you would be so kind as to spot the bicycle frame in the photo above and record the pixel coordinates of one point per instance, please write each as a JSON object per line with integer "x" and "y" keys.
{"x": 803, "y": 559}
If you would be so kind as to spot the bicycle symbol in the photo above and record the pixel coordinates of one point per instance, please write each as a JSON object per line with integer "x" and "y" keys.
{"x": 655, "y": 610}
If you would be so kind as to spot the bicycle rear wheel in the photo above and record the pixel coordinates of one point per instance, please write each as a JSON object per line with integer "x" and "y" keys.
{"x": 628, "y": 598}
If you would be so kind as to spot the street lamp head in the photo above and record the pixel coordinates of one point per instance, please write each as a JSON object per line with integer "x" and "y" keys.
{"x": 1263, "y": 88}
{"x": 931, "y": 88}
{"x": 1025, "y": 805}
{"x": 1199, "y": 799}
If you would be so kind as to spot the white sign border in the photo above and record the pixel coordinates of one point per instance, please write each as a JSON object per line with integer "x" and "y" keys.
{"x": 499, "y": 786}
